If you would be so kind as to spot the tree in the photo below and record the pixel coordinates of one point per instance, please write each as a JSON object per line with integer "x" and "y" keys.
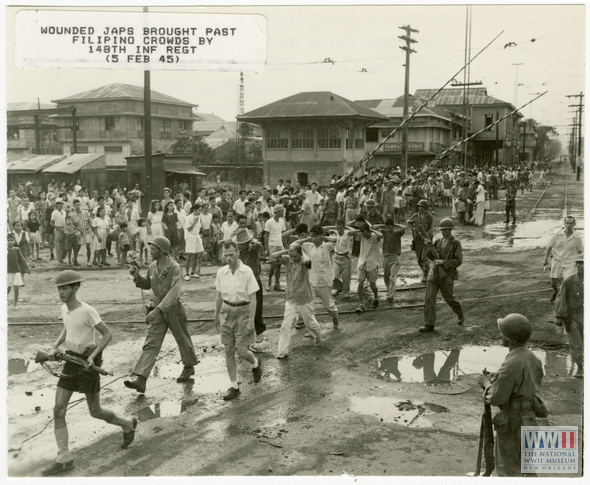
{"x": 547, "y": 143}
{"x": 192, "y": 144}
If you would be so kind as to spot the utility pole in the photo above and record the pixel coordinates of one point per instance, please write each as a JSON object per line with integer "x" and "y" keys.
{"x": 409, "y": 41}
{"x": 497, "y": 137}
{"x": 523, "y": 141}
{"x": 240, "y": 144}
{"x": 147, "y": 133}
{"x": 579, "y": 127}
{"x": 74, "y": 131}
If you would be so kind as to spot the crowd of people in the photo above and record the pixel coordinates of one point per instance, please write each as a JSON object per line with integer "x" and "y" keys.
{"x": 313, "y": 233}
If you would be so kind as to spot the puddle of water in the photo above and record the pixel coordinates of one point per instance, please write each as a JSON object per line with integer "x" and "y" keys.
{"x": 410, "y": 280}
{"x": 446, "y": 366}
{"x": 20, "y": 366}
{"x": 210, "y": 375}
{"x": 31, "y": 402}
{"x": 396, "y": 411}
{"x": 164, "y": 409}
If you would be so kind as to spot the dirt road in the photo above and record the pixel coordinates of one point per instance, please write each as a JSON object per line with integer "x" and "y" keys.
{"x": 340, "y": 408}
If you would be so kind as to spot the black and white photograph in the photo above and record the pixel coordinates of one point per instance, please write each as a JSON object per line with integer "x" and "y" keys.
{"x": 294, "y": 241}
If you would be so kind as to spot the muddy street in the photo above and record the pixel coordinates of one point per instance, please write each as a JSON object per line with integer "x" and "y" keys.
{"x": 376, "y": 398}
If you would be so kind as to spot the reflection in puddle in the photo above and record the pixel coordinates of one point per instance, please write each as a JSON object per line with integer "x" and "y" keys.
{"x": 19, "y": 366}
{"x": 446, "y": 366}
{"x": 397, "y": 411}
{"x": 210, "y": 375}
{"x": 164, "y": 409}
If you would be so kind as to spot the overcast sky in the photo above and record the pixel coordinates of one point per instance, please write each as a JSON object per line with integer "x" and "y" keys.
{"x": 356, "y": 38}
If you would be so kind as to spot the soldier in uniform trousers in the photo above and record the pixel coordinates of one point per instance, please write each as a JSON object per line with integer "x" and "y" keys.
{"x": 424, "y": 220}
{"x": 331, "y": 210}
{"x": 443, "y": 275}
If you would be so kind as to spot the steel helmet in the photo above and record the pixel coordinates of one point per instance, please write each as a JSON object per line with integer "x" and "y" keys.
{"x": 446, "y": 223}
{"x": 161, "y": 242}
{"x": 67, "y": 277}
{"x": 515, "y": 327}
{"x": 423, "y": 203}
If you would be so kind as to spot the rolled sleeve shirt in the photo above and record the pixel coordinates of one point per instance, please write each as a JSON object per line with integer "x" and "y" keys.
{"x": 236, "y": 287}
{"x": 369, "y": 253}
{"x": 165, "y": 285}
{"x": 566, "y": 249}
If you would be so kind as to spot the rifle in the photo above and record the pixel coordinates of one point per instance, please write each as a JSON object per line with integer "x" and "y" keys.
{"x": 43, "y": 357}
{"x": 486, "y": 439}
{"x": 422, "y": 233}
{"x": 146, "y": 308}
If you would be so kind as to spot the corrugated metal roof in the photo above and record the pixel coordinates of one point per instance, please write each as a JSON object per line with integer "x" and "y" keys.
{"x": 211, "y": 126}
{"x": 313, "y": 104}
{"x": 121, "y": 91}
{"x": 13, "y": 157}
{"x": 206, "y": 117}
{"x": 394, "y": 108}
{"x": 73, "y": 163}
{"x": 454, "y": 97}
{"x": 27, "y": 106}
{"x": 33, "y": 163}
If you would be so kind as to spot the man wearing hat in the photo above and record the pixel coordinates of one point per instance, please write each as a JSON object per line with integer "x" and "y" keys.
{"x": 373, "y": 216}
{"x": 250, "y": 250}
{"x": 569, "y": 310}
{"x": 331, "y": 209}
{"x": 421, "y": 225}
{"x": 513, "y": 389}
{"x": 164, "y": 278}
{"x": 81, "y": 322}
{"x": 448, "y": 257}
{"x": 58, "y": 222}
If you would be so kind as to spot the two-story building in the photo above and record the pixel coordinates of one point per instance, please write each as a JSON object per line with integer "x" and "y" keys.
{"x": 22, "y": 127}
{"x": 431, "y": 131}
{"x": 482, "y": 110}
{"x": 111, "y": 120}
{"x": 309, "y": 137}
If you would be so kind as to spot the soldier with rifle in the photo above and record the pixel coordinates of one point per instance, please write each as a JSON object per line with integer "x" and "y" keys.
{"x": 513, "y": 389}
{"x": 421, "y": 225}
{"x": 447, "y": 254}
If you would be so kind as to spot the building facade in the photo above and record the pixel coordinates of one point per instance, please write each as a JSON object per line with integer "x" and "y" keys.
{"x": 309, "y": 137}
{"x": 21, "y": 136}
{"x": 497, "y": 144}
{"x": 430, "y": 132}
{"x": 111, "y": 121}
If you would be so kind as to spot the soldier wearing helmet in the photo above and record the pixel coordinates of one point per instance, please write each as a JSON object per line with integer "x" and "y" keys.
{"x": 513, "y": 389}
{"x": 81, "y": 322}
{"x": 448, "y": 257}
{"x": 569, "y": 310}
{"x": 421, "y": 225}
{"x": 164, "y": 278}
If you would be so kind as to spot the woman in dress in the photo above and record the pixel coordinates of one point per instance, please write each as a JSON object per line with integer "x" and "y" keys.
{"x": 155, "y": 217}
{"x": 170, "y": 223}
{"x": 52, "y": 186}
{"x": 100, "y": 227}
{"x": 77, "y": 186}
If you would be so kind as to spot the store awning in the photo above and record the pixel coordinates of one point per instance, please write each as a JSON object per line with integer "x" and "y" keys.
{"x": 183, "y": 171}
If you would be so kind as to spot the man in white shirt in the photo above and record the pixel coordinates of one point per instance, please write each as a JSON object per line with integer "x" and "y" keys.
{"x": 239, "y": 207}
{"x": 235, "y": 309}
{"x": 229, "y": 227}
{"x": 58, "y": 222}
{"x": 274, "y": 242}
{"x": 368, "y": 263}
{"x": 321, "y": 273}
{"x": 280, "y": 187}
{"x": 564, "y": 247}
{"x": 341, "y": 260}
{"x": 313, "y": 197}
